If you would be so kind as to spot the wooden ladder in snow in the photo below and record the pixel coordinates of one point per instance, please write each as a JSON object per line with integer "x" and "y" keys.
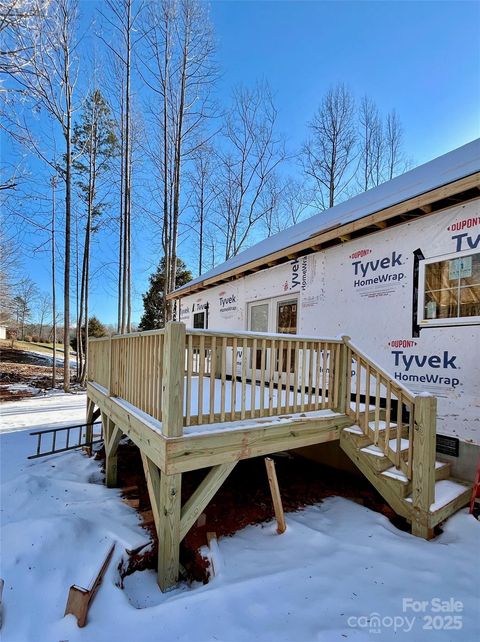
{"x": 392, "y": 440}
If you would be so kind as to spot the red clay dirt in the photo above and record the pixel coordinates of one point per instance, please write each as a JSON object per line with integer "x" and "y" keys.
{"x": 243, "y": 499}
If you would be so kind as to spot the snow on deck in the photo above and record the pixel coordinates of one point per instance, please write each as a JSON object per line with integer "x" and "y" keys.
{"x": 261, "y": 400}
{"x": 337, "y": 564}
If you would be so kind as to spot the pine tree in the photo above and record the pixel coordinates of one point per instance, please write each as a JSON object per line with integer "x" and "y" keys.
{"x": 95, "y": 145}
{"x": 153, "y": 300}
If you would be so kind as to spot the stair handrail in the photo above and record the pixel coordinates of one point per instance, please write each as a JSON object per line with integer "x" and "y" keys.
{"x": 419, "y": 466}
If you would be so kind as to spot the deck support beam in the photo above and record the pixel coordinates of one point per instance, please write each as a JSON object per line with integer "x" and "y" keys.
{"x": 112, "y": 435}
{"x": 89, "y": 420}
{"x": 202, "y": 496}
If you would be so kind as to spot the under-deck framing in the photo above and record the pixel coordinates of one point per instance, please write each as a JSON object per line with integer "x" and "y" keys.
{"x": 192, "y": 399}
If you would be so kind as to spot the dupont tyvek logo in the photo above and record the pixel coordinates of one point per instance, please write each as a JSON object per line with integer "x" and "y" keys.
{"x": 299, "y": 273}
{"x": 408, "y": 364}
{"x": 402, "y": 343}
{"x": 360, "y": 253}
{"x": 466, "y": 223}
{"x": 378, "y": 275}
{"x": 227, "y": 303}
{"x": 465, "y": 240}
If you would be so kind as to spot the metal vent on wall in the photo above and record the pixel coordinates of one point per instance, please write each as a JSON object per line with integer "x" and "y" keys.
{"x": 447, "y": 445}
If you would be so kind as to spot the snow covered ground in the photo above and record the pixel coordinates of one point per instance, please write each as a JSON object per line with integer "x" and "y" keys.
{"x": 340, "y": 572}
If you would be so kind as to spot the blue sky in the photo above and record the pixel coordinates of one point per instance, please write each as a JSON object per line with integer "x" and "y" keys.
{"x": 421, "y": 58}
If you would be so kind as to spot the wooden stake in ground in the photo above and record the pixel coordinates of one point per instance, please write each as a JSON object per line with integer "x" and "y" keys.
{"x": 277, "y": 500}
{"x": 79, "y": 598}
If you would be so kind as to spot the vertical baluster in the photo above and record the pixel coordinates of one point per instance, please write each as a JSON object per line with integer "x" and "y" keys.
{"x": 244, "y": 379}
{"x": 188, "y": 396}
{"x": 348, "y": 386}
{"x": 272, "y": 376}
{"x": 288, "y": 376}
{"x": 201, "y": 373}
{"x": 324, "y": 375}
{"x": 399, "y": 427}
{"x": 388, "y": 411}
{"x": 303, "y": 376}
{"x": 234, "y": 379}
{"x": 367, "y": 399}
{"x": 263, "y": 362}
{"x": 358, "y": 384}
{"x": 280, "y": 377}
{"x": 213, "y": 352}
{"x": 377, "y": 408}
{"x": 331, "y": 373}
{"x": 253, "y": 387}
{"x": 336, "y": 374}
{"x": 318, "y": 347}
{"x": 410, "y": 440}
{"x": 310, "y": 375}
{"x": 223, "y": 377}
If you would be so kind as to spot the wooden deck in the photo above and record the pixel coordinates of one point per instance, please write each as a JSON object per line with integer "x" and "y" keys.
{"x": 192, "y": 399}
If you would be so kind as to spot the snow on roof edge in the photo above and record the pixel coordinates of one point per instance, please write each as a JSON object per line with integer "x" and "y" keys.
{"x": 452, "y": 166}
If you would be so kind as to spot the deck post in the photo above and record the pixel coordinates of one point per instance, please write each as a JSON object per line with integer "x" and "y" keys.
{"x": 169, "y": 530}
{"x": 172, "y": 426}
{"x": 423, "y": 463}
{"x": 89, "y": 421}
{"x": 172, "y": 380}
{"x": 112, "y": 435}
{"x": 342, "y": 405}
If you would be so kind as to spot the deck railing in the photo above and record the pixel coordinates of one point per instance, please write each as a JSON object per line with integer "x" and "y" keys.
{"x": 191, "y": 377}
{"x": 257, "y": 375}
{"x": 228, "y": 376}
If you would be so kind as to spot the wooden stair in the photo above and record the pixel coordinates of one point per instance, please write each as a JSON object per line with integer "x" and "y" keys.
{"x": 391, "y": 481}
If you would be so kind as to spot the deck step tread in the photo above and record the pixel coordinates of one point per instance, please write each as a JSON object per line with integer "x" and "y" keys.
{"x": 354, "y": 430}
{"x": 395, "y": 473}
{"x": 378, "y": 452}
{"x": 446, "y": 491}
{"x": 382, "y": 425}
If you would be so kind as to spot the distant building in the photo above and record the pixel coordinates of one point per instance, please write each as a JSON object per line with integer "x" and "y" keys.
{"x": 3, "y": 332}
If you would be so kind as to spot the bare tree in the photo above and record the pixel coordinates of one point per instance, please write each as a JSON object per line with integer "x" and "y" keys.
{"x": 395, "y": 159}
{"x": 48, "y": 80}
{"x": 289, "y": 201}
{"x": 124, "y": 18}
{"x": 180, "y": 71}
{"x": 21, "y": 22}
{"x": 25, "y": 295}
{"x": 201, "y": 181}
{"x": 44, "y": 307}
{"x": 330, "y": 151}
{"x": 251, "y": 153}
{"x": 371, "y": 145}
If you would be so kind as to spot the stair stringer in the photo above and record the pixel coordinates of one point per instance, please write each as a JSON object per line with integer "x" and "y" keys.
{"x": 387, "y": 489}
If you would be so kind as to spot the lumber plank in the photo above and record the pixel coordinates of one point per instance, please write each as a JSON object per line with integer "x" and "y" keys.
{"x": 210, "y": 449}
{"x": 201, "y": 497}
{"x": 276, "y": 497}
{"x": 169, "y": 530}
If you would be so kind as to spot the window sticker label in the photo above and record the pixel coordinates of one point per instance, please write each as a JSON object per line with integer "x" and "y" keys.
{"x": 460, "y": 268}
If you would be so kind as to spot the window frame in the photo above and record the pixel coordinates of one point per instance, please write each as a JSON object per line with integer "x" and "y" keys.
{"x": 205, "y": 323}
{"x": 451, "y": 321}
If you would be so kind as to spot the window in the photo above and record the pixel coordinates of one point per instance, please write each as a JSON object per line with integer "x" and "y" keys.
{"x": 199, "y": 320}
{"x": 450, "y": 290}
